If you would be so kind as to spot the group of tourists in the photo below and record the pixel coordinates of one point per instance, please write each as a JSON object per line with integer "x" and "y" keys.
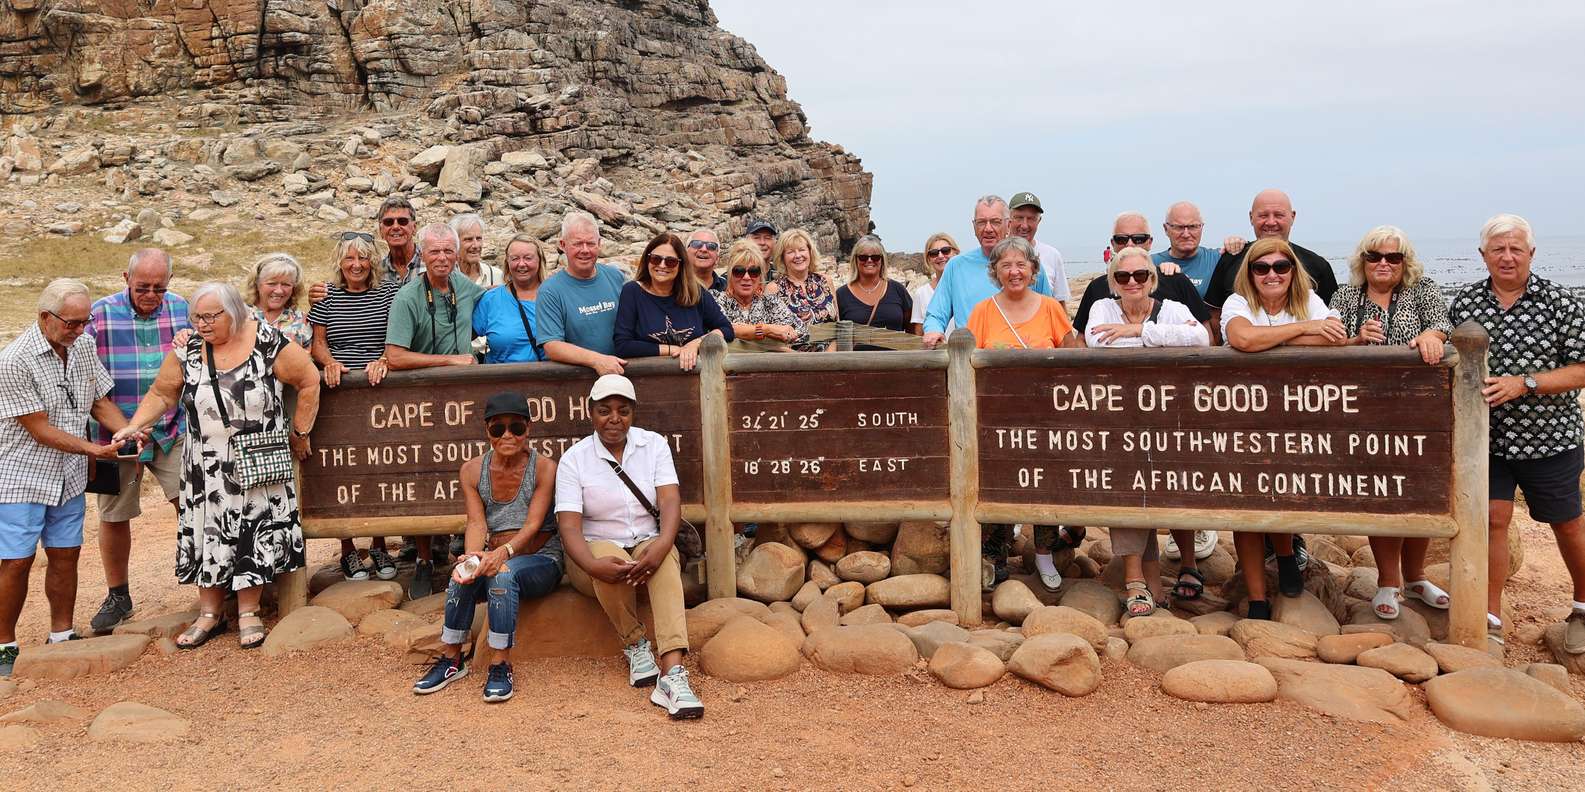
{"x": 214, "y": 393}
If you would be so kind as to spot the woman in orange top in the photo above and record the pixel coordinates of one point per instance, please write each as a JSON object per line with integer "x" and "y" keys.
{"x": 1018, "y": 317}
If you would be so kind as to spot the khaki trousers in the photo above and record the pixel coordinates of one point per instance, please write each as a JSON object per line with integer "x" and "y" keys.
{"x": 620, "y": 601}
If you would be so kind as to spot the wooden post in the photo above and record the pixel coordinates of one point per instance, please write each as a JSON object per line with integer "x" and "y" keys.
{"x": 720, "y": 562}
{"x": 963, "y": 423}
{"x": 1471, "y": 446}
{"x": 291, "y": 591}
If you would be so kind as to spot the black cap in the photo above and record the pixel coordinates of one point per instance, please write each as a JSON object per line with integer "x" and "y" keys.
{"x": 760, "y": 224}
{"x": 506, "y": 403}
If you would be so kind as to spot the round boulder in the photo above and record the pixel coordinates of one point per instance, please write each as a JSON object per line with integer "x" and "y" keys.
{"x": 1135, "y": 630}
{"x": 1220, "y": 682}
{"x": 1063, "y": 619}
{"x": 865, "y": 566}
{"x": 306, "y": 628}
{"x": 748, "y": 650}
{"x": 920, "y": 548}
{"x": 708, "y": 617}
{"x": 864, "y": 649}
{"x": 811, "y": 535}
{"x": 848, "y": 595}
{"x": 877, "y": 533}
{"x": 910, "y": 592}
{"x": 1012, "y": 601}
{"x": 1162, "y": 653}
{"x": 773, "y": 572}
{"x": 1503, "y": 702}
{"x": 964, "y": 666}
{"x": 1062, "y": 662}
{"x": 1401, "y": 660}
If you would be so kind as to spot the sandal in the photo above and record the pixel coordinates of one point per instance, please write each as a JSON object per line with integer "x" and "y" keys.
{"x": 1430, "y": 594}
{"x": 195, "y": 636}
{"x": 1290, "y": 581}
{"x": 1189, "y": 589}
{"x": 1259, "y": 609}
{"x": 246, "y": 633}
{"x": 1140, "y": 602}
{"x": 1385, "y": 603}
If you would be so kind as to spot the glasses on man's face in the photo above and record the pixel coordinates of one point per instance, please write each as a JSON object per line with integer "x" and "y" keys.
{"x": 517, "y": 428}
{"x": 1130, "y": 239}
{"x": 869, "y": 258}
{"x": 71, "y": 324}
{"x": 747, "y": 272}
{"x": 160, "y": 290}
{"x": 1138, "y": 276}
{"x": 940, "y": 251}
{"x": 664, "y": 262}
{"x": 207, "y": 319}
{"x": 395, "y": 221}
{"x": 1264, "y": 267}
{"x": 700, "y": 244}
{"x": 1374, "y": 256}
{"x": 993, "y": 222}
{"x": 1179, "y": 228}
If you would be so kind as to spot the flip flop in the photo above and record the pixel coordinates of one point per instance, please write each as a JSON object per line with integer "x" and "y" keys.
{"x": 1430, "y": 594}
{"x": 1385, "y": 603}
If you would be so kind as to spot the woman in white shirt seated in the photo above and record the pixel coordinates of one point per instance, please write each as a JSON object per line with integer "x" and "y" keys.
{"x": 616, "y": 542}
{"x": 1133, "y": 318}
{"x": 1274, "y": 304}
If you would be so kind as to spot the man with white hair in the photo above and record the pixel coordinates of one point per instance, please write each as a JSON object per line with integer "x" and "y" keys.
{"x": 51, "y": 381}
{"x": 963, "y": 283}
{"x": 1537, "y": 367}
{"x": 132, "y": 332}
{"x": 576, "y": 313}
{"x": 1024, "y": 220}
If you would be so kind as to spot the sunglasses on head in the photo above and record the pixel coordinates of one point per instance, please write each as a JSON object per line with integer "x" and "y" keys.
{"x": 657, "y": 260}
{"x": 395, "y": 221}
{"x": 747, "y": 272}
{"x": 517, "y": 428}
{"x": 944, "y": 250}
{"x": 1373, "y": 257}
{"x": 1126, "y": 239}
{"x": 698, "y": 244}
{"x": 1138, "y": 276}
{"x": 348, "y": 236}
{"x": 1263, "y": 267}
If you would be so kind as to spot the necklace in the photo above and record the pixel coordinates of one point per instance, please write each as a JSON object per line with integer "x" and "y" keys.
{"x": 1142, "y": 315}
{"x": 868, "y": 289}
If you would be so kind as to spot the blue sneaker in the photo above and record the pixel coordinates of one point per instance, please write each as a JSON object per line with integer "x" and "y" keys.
{"x": 444, "y": 672}
{"x": 673, "y": 694}
{"x": 498, "y": 686}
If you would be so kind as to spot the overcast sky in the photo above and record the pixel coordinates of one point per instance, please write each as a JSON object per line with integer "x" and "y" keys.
{"x": 1429, "y": 115}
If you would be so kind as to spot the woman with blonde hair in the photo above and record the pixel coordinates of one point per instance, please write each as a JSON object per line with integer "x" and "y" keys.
{"x": 506, "y": 315}
{"x": 799, "y": 282}
{"x": 869, "y": 297}
{"x": 274, "y": 287}
{"x": 939, "y": 249}
{"x": 754, "y": 314}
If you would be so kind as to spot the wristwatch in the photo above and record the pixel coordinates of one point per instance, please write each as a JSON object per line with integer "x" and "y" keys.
{"x": 1530, "y": 385}
{"x": 299, "y": 435}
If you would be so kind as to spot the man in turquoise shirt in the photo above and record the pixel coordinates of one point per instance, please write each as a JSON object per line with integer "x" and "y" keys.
{"x": 576, "y": 314}
{"x": 966, "y": 281}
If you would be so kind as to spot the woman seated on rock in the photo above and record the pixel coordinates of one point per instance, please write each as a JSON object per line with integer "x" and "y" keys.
{"x": 661, "y": 314}
{"x": 755, "y": 316}
{"x": 1274, "y": 304}
{"x": 1132, "y": 318}
{"x": 507, "y": 493}
{"x": 1018, "y": 317}
{"x": 1389, "y": 301}
{"x": 870, "y": 298}
{"x": 619, "y": 508}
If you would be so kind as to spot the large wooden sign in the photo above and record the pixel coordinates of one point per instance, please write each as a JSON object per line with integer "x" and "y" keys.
{"x": 396, "y": 449}
{"x": 1335, "y": 438}
{"x": 838, "y": 436}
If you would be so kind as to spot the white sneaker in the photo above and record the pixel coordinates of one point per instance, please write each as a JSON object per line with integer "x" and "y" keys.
{"x": 641, "y": 668}
{"x": 676, "y": 696}
{"x": 1051, "y": 582}
{"x": 1171, "y": 551}
{"x": 1204, "y": 544}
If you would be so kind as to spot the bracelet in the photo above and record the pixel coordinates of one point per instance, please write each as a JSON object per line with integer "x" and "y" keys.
{"x": 509, "y": 552}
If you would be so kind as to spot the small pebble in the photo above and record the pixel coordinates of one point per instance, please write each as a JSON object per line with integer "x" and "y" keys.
{"x": 776, "y": 772}
{"x": 977, "y": 697}
{"x": 910, "y": 779}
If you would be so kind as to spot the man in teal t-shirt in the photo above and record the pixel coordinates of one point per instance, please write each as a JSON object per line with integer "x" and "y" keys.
{"x": 431, "y": 318}
{"x": 1184, "y": 229}
{"x": 577, "y": 306}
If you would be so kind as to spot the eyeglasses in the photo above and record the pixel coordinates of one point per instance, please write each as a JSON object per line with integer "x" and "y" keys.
{"x": 348, "y": 236}
{"x": 656, "y": 260}
{"x": 71, "y": 398}
{"x": 1138, "y": 276}
{"x": 747, "y": 272}
{"x": 149, "y": 289}
{"x": 944, "y": 250}
{"x": 207, "y": 318}
{"x": 1127, "y": 239}
{"x": 517, "y": 428}
{"x": 71, "y": 324}
{"x": 1178, "y": 228}
{"x": 1263, "y": 267}
{"x": 395, "y": 221}
{"x": 1372, "y": 256}
{"x": 869, "y": 258}
{"x": 700, "y": 244}
{"x": 993, "y": 222}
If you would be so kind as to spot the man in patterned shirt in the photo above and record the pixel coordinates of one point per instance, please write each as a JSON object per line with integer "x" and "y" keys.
{"x": 1537, "y": 361}
{"x": 132, "y": 331}
{"x": 50, "y": 382}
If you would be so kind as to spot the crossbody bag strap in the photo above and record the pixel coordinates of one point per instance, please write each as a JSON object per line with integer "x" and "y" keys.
{"x": 643, "y": 501}
{"x": 1009, "y": 322}
{"x": 522, "y": 314}
{"x": 214, "y": 382}
{"x": 1155, "y": 310}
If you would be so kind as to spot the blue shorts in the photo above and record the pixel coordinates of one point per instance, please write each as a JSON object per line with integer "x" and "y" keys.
{"x": 23, "y": 525}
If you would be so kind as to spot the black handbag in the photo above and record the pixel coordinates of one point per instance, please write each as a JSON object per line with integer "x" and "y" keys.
{"x": 688, "y": 542}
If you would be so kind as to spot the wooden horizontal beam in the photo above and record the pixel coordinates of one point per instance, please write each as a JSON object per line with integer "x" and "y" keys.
{"x": 429, "y": 525}
{"x": 850, "y": 511}
{"x": 1330, "y": 523}
{"x": 836, "y": 361}
{"x": 1178, "y": 357}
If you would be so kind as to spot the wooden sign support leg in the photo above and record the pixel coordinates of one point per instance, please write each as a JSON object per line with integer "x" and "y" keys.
{"x": 720, "y": 562}
{"x": 291, "y": 590}
{"x": 964, "y": 482}
{"x": 1471, "y": 444}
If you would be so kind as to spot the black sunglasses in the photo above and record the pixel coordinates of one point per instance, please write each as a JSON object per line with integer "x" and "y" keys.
{"x": 944, "y": 250}
{"x": 517, "y": 428}
{"x": 869, "y": 258}
{"x": 1124, "y": 239}
{"x": 700, "y": 243}
{"x": 1264, "y": 267}
{"x": 749, "y": 272}
{"x": 390, "y": 221}
{"x": 1373, "y": 257}
{"x": 71, "y": 324}
{"x": 1138, "y": 276}
{"x": 348, "y": 236}
{"x": 656, "y": 260}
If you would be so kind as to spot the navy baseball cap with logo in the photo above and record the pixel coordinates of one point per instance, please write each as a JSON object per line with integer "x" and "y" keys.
{"x": 759, "y": 224}
{"x": 1025, "y": 199}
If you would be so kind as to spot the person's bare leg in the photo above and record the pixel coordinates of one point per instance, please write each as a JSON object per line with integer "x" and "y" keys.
{"x": 115, "y": 547}
{"x": 1252, "y": 558}
{"x": 1151, "y": 569}
{"x": 669, "y": 659}
{"x": 1186, "y": 559}
{"x": 60, "y": 585}
{"x": 1571, "y": 543}
{"x": 1282, "y": 543}
{"x": 13, "y": 592}
{"x": 1388, "y": 551}
{"x": 1414, "y": 551}
{"x": 1498, "y": 514}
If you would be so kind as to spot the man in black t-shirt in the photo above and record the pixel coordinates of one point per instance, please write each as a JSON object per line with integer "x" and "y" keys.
{"x": 1131, "y": 229}
{"x": 1271, "y": 215}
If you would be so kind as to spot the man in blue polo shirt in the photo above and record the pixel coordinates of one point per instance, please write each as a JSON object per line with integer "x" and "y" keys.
{"x": 576, "y": 314}
{"x": 966, "y": 282}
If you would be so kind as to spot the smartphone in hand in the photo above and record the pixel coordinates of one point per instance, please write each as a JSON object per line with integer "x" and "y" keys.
{"x": 128, "y": 450}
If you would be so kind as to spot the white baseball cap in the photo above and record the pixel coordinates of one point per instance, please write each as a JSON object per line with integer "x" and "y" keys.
{"x": 612, "y": 385}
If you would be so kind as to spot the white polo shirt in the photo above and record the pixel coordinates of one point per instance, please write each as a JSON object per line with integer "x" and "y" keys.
{"x": 1056, "y": 276}
{"x": 585, "y": 483}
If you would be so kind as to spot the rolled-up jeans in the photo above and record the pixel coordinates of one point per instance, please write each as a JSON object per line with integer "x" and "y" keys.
{"x": 521, "y": 577}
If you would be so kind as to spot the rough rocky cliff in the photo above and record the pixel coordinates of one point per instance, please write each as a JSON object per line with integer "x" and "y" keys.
{"x": 642, "y": 111}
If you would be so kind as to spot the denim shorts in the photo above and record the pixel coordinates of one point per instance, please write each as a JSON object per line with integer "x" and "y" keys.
{"x": 24, "y": 525}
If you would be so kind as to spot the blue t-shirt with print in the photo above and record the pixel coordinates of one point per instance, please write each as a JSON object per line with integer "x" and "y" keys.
{"x": 1198, "y": 267}
{"x": 580, "y": 312}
